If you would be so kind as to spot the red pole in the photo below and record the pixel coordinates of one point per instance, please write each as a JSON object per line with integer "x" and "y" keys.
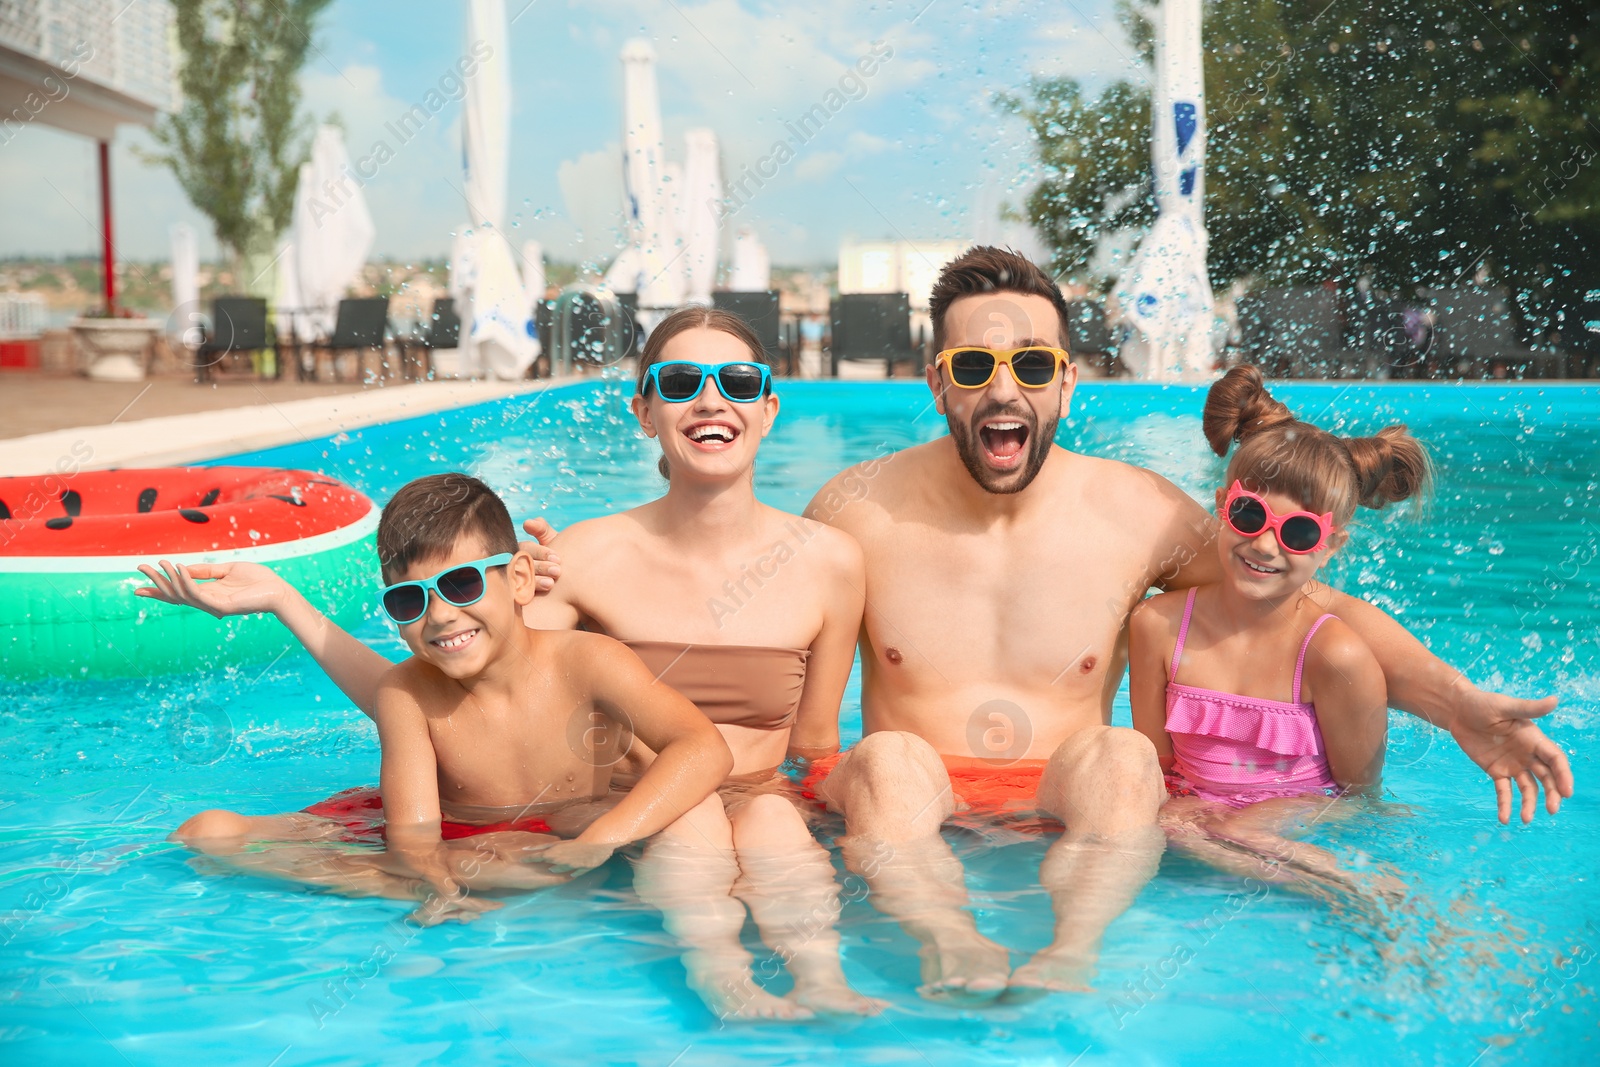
{"x": 108, "y": 257}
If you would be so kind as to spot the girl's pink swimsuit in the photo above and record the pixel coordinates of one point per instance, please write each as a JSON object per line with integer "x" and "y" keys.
{"x": 1239, "y": 750}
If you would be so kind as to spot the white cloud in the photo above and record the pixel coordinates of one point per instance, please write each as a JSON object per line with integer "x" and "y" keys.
{"x": 747, "y": 72}
{"x": 860, "y": 142}
{"x": 1093, "y": 51}
{"x": 816, "y": 165}
{"x": 414, "y": 161}
{"x": 591, "y": 189}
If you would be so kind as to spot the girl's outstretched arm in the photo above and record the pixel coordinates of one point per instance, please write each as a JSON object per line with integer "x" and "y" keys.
{"x": 223, "y": 589}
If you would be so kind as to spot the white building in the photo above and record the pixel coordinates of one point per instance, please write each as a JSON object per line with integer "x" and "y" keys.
{"x": 895, "y": 267}
{"x": 85, "y": 66}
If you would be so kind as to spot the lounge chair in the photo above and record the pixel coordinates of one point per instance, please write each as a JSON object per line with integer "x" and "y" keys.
{"x": 872, "y": 326}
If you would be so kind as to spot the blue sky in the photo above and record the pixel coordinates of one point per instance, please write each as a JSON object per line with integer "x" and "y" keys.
{"x": 923, "y": 155}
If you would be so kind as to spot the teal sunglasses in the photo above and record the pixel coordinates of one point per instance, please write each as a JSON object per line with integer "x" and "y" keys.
{"x": 678, "y": 382}
{"x": 462, "y": 585}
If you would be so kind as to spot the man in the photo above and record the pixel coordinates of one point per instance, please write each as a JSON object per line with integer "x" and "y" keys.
{"x": 1001, "y": 570}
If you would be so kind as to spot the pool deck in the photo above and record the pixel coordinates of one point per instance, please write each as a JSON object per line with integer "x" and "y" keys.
{"x": 54, "y": 424}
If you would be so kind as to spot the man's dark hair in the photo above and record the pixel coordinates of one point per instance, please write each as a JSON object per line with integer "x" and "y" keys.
{"x": 428, "y": 516}
{"x": 986, "y": 269}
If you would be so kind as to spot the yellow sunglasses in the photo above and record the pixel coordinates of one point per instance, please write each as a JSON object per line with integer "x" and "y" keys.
{"x": 1033, "y": 367}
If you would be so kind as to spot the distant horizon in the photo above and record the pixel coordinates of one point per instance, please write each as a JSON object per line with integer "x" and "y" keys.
{"x": 914, "y": 153}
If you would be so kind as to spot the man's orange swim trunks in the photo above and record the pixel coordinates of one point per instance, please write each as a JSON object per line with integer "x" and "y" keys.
{"x": 986, "y": 789}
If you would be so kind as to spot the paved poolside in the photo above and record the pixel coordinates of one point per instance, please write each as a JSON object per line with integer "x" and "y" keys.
{"x": 47, "y": 421}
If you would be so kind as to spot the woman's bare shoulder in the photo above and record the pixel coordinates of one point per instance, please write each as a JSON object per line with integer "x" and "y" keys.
{"x": 599, "y": 534}
{"x": 828, "y": 549}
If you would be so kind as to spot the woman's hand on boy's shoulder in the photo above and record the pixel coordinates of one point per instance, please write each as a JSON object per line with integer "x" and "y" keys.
{"x": 546, "y": 563}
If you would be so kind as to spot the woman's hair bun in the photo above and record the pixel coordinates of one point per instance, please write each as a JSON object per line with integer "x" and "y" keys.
{"x": 1239, "y": 405}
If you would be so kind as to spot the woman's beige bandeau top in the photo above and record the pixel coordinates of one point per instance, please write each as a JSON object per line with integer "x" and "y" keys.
{"x": 734, "y": 685}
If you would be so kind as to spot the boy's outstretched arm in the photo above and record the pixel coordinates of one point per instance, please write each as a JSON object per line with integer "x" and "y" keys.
{"x": 222, "y": 589}
{"x": 692, "y": 759}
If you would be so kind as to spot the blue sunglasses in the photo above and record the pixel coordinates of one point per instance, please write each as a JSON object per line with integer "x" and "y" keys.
{"x": 678, "y": 382}
{"x": 462, "y": 585}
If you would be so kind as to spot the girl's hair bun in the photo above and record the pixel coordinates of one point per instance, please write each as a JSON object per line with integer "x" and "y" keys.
{"x": 1239, "y": 405}
{"x": 1390, "y": 467}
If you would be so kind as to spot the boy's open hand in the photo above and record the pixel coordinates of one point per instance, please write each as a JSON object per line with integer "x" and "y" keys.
{"x": 572, "y": 856}
{"x": 546, "y": 564}
{"x": 218, "y": 589}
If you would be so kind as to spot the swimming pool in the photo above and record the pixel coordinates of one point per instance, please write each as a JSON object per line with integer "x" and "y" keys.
{"x": 115, "y": 951}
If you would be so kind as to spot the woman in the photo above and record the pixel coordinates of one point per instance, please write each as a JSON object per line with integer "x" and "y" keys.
{"x": 750, "y": 612}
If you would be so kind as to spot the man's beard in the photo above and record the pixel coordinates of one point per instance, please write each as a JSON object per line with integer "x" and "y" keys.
{"x": 970, "y": 448}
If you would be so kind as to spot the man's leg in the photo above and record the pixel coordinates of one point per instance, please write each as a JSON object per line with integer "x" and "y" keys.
{"x": 894, "y": 793}
{"x": 1104, "y": 784}
{"x": 787, "y": 882}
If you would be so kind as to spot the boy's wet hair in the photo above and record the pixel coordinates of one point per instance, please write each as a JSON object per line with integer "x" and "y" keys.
{"x": 986, "y": 269}
{"x": 427, "y": 517}
{"x": 1323, "y": 472}
{"x": 692, "y": 317}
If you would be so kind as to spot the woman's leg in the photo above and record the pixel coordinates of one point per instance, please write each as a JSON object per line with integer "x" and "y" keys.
{"x": 688, "y": 872}
{"x": 786, "y": 880}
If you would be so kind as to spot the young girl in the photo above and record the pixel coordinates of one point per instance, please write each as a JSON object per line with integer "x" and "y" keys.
{"x": 1263, "y": 707}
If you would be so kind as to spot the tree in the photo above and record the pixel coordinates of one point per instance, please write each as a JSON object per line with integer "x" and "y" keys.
{"x": 237, "y": 142}
{"x": 1406, "y": 141}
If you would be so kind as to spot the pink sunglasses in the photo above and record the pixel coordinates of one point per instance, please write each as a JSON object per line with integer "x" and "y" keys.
{"x": 1300, "y": 532}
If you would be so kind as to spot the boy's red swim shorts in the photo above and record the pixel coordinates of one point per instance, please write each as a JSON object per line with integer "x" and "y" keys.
{"x": 360, "y": 810}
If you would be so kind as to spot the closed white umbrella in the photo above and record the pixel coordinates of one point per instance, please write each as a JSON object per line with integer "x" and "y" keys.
{"x": 497, "y": 329}
{"x": 702, "y": 193}
{"x": 184, "y": 321}
{"x": 658, "y": 269}
{"x": 486, "y": 122}
{"x": 752, "y": 269}
{"x": 1166, "y": 292}
{"x": 333, "y": 229}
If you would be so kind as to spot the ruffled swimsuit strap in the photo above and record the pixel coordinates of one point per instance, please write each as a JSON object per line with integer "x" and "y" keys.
{"x": 1300, "y": 664}
{"x": 1183, "y": 633}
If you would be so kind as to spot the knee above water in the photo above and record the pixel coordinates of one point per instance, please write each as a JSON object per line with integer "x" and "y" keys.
{"x": 896, "y": 751}
{"x": 768, "y": 819}
{"x": 212, "y": 824}
{"x": 1114, "y": 754}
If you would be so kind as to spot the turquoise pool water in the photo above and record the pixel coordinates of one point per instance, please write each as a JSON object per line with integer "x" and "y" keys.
{"x": 112, "y": 950}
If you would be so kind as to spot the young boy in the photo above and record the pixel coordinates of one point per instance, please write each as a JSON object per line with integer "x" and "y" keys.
{"x": 492, "y": 734}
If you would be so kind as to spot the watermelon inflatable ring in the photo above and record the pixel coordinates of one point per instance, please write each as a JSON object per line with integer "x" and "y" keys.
{"x": 69, "y": 546}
